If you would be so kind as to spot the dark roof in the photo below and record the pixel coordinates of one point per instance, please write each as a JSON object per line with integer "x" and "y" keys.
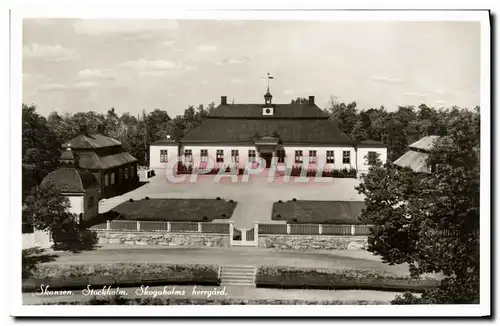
{"x": 167, "y": 141}
{"x": 71, "y": 180}
{"x": 280, "y": 111}
{"x": 91, "y": 141}
{"x": 288, "y": 130}
{"x": 413, "y": 160}
{"x": 92, "y": 161}
{"x": 371, "y": 143}
{"x": 425, "y": 143}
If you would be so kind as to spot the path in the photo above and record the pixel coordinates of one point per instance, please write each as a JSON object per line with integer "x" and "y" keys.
{"x": 233, "y": 292}
{"x": 346, "y": 259}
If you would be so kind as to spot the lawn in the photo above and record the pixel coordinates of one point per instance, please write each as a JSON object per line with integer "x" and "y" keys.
{"x": 161, "y": 209}
{"x": 318, "y": 212}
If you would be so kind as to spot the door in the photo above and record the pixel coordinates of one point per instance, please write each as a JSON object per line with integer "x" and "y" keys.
{"x": 268, "y": 158}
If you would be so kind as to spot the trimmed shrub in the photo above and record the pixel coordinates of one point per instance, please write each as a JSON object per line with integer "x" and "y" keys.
{"x": 78, "y": 276}
{"x": 218, "y": 198}
{"x": 280, "y": 201}
{"x": 294, "y": 278}
{"x": 146, "y": 198}
{"x": 294, "y": 199}
{"x": 131, "y": 200}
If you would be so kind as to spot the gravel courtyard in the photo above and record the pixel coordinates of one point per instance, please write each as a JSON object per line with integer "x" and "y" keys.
{"x": 255, "y": 197}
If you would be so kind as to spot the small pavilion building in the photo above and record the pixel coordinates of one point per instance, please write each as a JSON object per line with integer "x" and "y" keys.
{"x": 113, "y": 167}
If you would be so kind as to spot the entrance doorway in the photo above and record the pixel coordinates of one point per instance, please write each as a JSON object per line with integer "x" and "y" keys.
{"x": 268, "y": 158}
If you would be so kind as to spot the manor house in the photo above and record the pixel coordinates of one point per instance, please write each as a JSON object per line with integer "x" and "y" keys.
{"x": 302, "y": 135}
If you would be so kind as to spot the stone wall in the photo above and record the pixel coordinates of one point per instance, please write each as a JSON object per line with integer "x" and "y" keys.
{"x": 164, "y": 239}
{"x": 313, "y": 242}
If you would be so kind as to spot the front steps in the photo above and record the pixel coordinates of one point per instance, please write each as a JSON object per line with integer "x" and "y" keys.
{"x": 238, "y": 275}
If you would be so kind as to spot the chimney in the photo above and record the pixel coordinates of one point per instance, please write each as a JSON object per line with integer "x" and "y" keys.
{"x": 83, "y": 129}
{"x": 223, "y": 100}
{"x": 311, "y": 100}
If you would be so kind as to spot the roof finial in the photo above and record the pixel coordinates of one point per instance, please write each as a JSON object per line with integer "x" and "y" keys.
{"x": 268, "y": 95}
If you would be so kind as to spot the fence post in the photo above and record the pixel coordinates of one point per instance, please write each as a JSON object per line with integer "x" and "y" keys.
{"x": 231, "y": 233}
{"x": 108, "y": 225}
{"x": 169, "y": 227}
{"x": 199, "y": 226}
{"x": 353, "y": 229}
{"x": 256, "y": 232}
{"x": 138, "y": 226}
{"x": 320, "y": 228}
{"x": 287, "y": 228}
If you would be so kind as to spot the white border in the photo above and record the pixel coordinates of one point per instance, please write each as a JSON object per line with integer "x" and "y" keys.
{"x": 122, "y": 10}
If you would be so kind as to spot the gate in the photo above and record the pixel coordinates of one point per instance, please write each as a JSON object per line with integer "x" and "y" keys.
{"x": 244, "y": 237}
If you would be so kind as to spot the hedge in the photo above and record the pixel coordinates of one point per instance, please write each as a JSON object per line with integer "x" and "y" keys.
{"x": 78, "y": 276}
{"x": 294, "y": 278}
{"x": 181, "y": 301}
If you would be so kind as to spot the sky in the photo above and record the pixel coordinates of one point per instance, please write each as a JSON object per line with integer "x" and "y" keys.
{"x": 72, "y": 65}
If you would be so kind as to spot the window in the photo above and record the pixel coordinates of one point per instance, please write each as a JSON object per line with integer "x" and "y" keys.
{"x": 220, "y": 156}
{"x": 235, "y": 156}
{"x": 371, "y": 158}
{"x": 330, "y": 159}
{"x": 251, "y": 155}
{"x": 106, "y": 180}
{"x": 312, "y": 156}
{"x": 163, "y": 155}
{"x": 346, "y": 157}
{"x": 281, "y": 156}
{"x": 112, "y": 178}
{"x": 125, "y": 173}
{"x": 188, "y": 155}
{"x": 90, "y": 202}
{"x": 204, "y": 155}
{"x": 298, "y": 156}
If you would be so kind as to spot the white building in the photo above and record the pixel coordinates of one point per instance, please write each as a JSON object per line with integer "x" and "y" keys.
{"x": 295, "y": 135}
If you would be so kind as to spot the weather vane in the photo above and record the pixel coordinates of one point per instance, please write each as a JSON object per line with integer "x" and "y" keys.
{"x": 268, "y": 78}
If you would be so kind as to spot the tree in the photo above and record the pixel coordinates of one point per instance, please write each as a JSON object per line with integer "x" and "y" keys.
{"x": 40, "y": 149}
{"x": 431, "y": 221}
{"x": 344, "y": 114}
{"x": 300, "y": 100}
{"x": 47, "y": 210}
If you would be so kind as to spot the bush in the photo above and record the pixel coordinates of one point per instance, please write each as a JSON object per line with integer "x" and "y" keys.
{"x": 205, "y": 218}
{"x": 116, "y": 300}
{"x": 285, "y": 277}
{"x": 78, "y": 276}
{"x": 131, "y": 200}
{"x": 146, "y": 198}
{"x": 231, "y": 201}
{"x": 294, "y": 199}
{"x": 218, "y": 198}
{"x": 280, "y": 201}
{"x": 278, "y": 217}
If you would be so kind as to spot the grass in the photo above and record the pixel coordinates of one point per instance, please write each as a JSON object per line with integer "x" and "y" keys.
{"x": 78, "y": 276}
{"x": 189, "y": 210}
{"x": 318, "y": 212}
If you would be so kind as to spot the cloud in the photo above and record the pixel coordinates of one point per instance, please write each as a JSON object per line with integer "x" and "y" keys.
{"x": 387, "y": 80}
{"x": 207, "y": 47}
{"x": 440, "y": 102}
{"x": 415, "y": 94}
{"x": 229, "y": 61}
{"x": 205, "y": 82}
{"x": 123, "y": 27}
{"x": 167, "y": 44}
{"x": 54, "y": 53}
{"x": 51, "y": 87}
{"x": 288, "y": 92}
{"x": 143, "y": 64}
{"x": 86, "y": 84}
{"x": 96, "y": 74}
{"x": 236, "y": 81}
